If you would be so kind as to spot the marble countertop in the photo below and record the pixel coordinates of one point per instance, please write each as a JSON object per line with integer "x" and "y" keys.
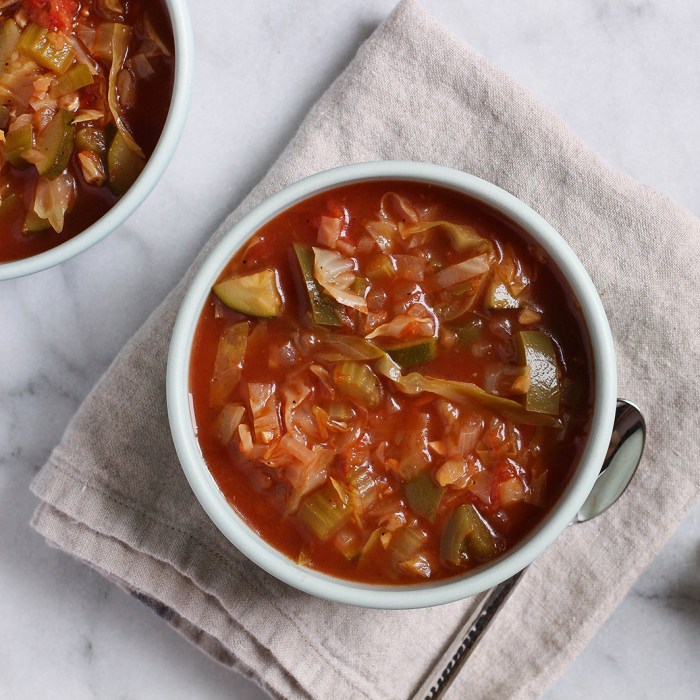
{"x": 623, "y": 73}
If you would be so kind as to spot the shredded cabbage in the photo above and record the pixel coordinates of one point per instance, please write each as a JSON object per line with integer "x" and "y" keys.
{"x": 53, "y": 198}
{"x": 335, "y": 273}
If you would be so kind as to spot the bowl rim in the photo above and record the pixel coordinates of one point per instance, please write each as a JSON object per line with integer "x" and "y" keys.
{"x": 155, "y": 167}
{"x": 181, "y": 418}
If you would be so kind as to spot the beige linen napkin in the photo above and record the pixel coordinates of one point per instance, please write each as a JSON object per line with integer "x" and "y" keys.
{"x": 114, "y": 496}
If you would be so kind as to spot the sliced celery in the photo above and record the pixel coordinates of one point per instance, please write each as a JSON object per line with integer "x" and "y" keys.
{"x": 9, "y": 36}
{"x": 380, "y": 267}
{"x": 414, "y": 353}
{"x": 55, "y": 143}
{"x": 324, "y": 309}
{"x": 536, "y": 351}
{"x": 17, "y": 143}
{"x": 77, "y": 77}
{"x": 124, "y": 165}
{"x": 424, "y": 495}
{"x": 49, "y": 50}
{"x": 324, "y": 511}
{"x": 359, "y": 382}
{"x": 255, "y": 295}
{"x": 466, "y": 536}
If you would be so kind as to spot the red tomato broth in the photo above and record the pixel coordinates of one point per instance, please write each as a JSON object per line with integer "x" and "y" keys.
{"x": 261, "y": 497}
{"x": 145, "y": 119}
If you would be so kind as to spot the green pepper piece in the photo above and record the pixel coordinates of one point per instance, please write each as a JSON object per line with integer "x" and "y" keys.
{"x": 359, "y": 382}
{"x": 123, "y": 165}
{"x": 91, "y": 139}
{"x": 55, "y": 143}
{"x": 324, "y": 309}
{"x": 536, "y": 351}
{"x": 424, "y": 495}
{"x": 325, "y": 511}
{"x": 77, "y": 77}
{"x": 255, "y": 295}
{"x": 466, "y": 533}
{"x": 414, "y": 353}
{"x": 53, "y": 52}
{"x": 18, "y": 142}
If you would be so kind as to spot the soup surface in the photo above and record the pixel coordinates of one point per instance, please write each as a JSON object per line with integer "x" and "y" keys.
{"x": 84, "y": 93}
{"x": 390, "y": 384}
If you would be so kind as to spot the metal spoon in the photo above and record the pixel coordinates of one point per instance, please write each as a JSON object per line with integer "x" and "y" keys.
{"x": 621, "y": 461}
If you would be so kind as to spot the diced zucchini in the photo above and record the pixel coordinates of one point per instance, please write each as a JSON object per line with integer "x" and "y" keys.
{"x": 414, "y": 353}
{"x": 55, "y": 143}
{"x": 77, "y": 77}
{"x": 91, "y": 139}
{"x": 49, "y": 50}
{"x": 324, "y": 309}
{"x": 123, "y": 165}
{"x": 424, "y": 495}
{"x": 359, "y": 382}
{"x": 324, "y": 512}
{"x": 255, "y": 295}
{"x": 536, "y": 351}
{"x": 466, "y": 535}
{"x": 17, "y": 143}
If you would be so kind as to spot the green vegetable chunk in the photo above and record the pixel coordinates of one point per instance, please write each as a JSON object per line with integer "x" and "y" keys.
{"x": 466, "y": 535}
{"x": 123, "y": 165}
{"x": 55, "y": 144}
{"x": 91, "y": 139}
{"x": 414, "y": 353}
{"x": 468, "y": 332}
{"x": 424, "y": 495}
{"x": 324, "y": 309}
{"x": 325, "y": 511}
{"x": 254, "y": 295}
{"x": 4, "y": 117}
{"x": 77, "y": 77}
{"x": 359, "y": 382}
{"x": 52, "y": 51}
{"x": 17, "y": 143}
{"x": 33, "y": 223}
{"x": 536, "y": 351}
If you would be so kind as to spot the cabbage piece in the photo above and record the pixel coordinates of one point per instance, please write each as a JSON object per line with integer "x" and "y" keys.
{"x": 53, "y": 198}
{"x": 459, "y": 392}
{"x": 335, "y": 273}
{"x": 462, "y": 236}
{"x": 338, "y": 348}
{"x": 461, "y": 272}
{"x": 403, "y": 326}
{"x": 120, "y": 45}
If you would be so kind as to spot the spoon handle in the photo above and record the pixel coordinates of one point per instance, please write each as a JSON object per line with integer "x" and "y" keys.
{"x": 465, "y": 641}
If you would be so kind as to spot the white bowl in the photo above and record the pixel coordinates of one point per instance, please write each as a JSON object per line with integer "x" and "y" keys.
{"x": 373, "y": 595}
{"x": 125, "y": 207}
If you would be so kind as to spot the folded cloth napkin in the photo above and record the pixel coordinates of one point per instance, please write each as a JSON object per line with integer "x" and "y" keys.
{"x": 114, "y": 496}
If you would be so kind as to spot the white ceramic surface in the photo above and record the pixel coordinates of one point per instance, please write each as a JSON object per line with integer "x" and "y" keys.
{"x": 425, "y": 594}
{"x": 155, "y": 167}
{"x": 623, "y": 74}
